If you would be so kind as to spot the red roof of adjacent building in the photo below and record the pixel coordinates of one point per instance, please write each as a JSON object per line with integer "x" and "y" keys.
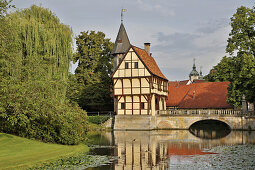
{"x": 184, "y": 149}
{"x": 173, "y": 83}
{"x": 183, "y": 82}
{"x": 176, "y": 94}
{"x": 199, "y": 95}
{"x": 149, "y": 62}
{"x": 198, "y": 81}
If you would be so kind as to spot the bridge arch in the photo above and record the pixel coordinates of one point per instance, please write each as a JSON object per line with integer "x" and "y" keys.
{"x": 213, "y": 120}
{"x": 210, "y": 129}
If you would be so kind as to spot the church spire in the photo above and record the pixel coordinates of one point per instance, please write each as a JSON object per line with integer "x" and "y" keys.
{"x": 194, "y": 75}
{"x": 194, "y": 64}
{"x": 122, "y": 10}
{"x": 201, "y": 77}
{"x": 122, "y": 43}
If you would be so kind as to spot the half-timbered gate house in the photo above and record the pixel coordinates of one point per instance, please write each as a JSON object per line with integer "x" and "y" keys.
{"x": 139, "y": 86}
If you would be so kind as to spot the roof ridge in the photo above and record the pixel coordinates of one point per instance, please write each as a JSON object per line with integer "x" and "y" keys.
{"x": 137, "y": 47}
{"x": 149, "y": 62}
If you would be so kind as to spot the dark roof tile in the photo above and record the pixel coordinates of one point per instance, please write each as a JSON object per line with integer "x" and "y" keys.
{"x": 122, "y": 43}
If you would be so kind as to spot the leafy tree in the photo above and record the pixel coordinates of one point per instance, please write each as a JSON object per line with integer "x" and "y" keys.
{"x": 95, "y": 65}
{"x": 34, "y": 76}
{"x": 4, "y": 6}
{"x": 224, "y": 71}
{"x": 73, "y": 89}
{"x": 239, "y": 68}
{"x": 242, "y": 42}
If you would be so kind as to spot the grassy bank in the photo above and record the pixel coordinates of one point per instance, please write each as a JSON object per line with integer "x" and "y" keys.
{"x": 19, "y": 153}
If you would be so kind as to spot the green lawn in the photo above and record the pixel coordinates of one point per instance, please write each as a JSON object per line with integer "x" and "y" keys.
{"x": 20, "y": 153}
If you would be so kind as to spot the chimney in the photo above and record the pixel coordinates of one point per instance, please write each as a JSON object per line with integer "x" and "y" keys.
{"x": 147, "y": 48}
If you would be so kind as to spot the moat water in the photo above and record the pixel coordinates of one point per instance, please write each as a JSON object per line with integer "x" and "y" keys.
{"x": 175, "y": 149}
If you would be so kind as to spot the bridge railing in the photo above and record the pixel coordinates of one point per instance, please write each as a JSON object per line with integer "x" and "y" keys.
{"x": 219, "y": 112}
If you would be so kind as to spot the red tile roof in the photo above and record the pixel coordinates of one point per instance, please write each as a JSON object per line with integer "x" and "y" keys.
{"x": 173, "y": 83}
{"x": 183, "y": 82}
{"x": 176, "y": 94}
{"x": 178, "y": 83}
{"x": 149, "y": 62}
{"x": 199, "y": 81}
{"x": 199, "y": 95}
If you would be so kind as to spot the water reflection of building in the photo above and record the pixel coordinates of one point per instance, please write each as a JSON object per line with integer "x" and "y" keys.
{"x": 158, "y": 149}
{"x": 139, "y": 151}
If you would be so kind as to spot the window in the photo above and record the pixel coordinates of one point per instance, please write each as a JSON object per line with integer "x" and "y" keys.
{"x": 122, "y": 105}
{"x": 165, "y": 87}
{"x": 136, "y": 64}
{"x": 142, "y": 105}
{"x": 126, "y": 65}
{"x": 159, "y": 86}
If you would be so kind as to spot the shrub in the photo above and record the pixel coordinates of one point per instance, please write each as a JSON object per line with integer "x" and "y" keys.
{"x": 98, "y": 119}
{"x": 24, "y": 112}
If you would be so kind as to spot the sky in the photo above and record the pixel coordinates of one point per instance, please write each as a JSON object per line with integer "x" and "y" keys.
{"x": 178, "y": 30}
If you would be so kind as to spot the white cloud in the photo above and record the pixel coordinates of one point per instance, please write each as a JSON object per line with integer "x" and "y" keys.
{"x": 140, "y": 1}
{"x": 164, "y": 11}
{"x": 216, "y": 39}
{"x": 177, "y": 50}
{"x": 179, "y": 30}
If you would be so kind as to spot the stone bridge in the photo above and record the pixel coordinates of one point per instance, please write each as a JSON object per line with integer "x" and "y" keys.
{"x": 177, "y": 119}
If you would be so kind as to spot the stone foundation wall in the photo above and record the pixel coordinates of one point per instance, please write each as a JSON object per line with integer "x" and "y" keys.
{"x": 134, "y": 122}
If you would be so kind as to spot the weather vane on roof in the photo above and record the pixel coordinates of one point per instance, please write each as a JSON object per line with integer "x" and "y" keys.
{"x": 122, "y": 10}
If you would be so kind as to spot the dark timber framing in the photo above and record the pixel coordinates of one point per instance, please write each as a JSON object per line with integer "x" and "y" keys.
{"x": 137, "y": 92}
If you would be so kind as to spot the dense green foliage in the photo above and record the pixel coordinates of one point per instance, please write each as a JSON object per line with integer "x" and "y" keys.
{"x": 4, "y": 6}
{"x": 36, "y": 50}
{"x": 223, "y": 71}
{"x": 95, "y": 65}
{"x": 98, "y": 119}
{"x": 239, "y": 67}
